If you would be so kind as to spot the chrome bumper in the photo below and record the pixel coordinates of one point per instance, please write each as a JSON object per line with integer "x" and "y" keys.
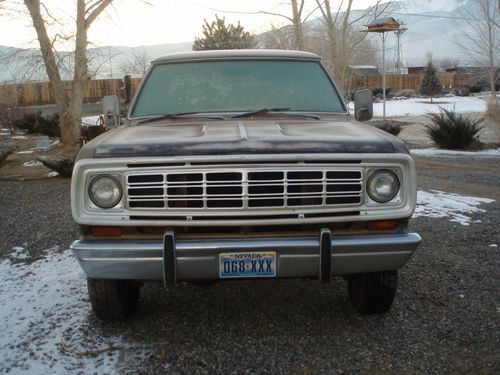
{"x": 198, "y": 259}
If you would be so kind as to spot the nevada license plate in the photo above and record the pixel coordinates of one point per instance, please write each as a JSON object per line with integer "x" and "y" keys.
{"x": 250, "y": 264}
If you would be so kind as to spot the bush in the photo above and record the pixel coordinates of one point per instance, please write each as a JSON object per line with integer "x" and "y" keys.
{"x": 35, "y": 123}
{"x": 389, "y": 126}
{"x": 379, "y": 91}
{"x": 62, "y": 166}
{"x": 451, "y": 130}
{"x": 476, "y": 88}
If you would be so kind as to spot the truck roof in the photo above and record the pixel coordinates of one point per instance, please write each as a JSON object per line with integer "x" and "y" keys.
{"x": 236, "y": 54}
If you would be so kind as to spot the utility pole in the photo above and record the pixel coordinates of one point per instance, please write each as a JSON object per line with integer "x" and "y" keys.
{"x": 383, "y": 26}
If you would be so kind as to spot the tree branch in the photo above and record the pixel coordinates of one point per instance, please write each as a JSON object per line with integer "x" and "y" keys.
{"x": 97, "y": 8}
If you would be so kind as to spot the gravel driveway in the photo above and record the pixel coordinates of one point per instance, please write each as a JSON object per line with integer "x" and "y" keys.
{"x": 445, "y": 318}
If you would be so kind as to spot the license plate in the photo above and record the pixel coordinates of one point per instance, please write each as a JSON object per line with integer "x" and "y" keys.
{"x": 250, "y": 264}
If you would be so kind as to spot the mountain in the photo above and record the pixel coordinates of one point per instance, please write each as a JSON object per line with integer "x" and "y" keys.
{"x": 432, "y": 27}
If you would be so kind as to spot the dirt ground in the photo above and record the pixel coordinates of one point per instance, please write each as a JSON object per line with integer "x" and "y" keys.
{"x": 26, "y": 152}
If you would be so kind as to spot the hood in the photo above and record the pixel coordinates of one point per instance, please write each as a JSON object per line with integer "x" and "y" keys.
{"x": 241, "y": 137}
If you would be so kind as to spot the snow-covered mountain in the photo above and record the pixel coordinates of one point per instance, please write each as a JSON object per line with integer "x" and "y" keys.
{"x": 433, "y": 27}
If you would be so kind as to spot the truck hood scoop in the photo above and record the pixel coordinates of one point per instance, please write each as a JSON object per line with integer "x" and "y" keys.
{"x": 242, "y": 137}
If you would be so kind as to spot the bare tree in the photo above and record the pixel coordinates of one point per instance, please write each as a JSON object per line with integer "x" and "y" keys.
{"x": 69, "y": 104}
{"x": 297, "y": 18}
{"x": 480, "y": 37}
{"x": 342, "y": 33}
{"x": 136, "y": 63}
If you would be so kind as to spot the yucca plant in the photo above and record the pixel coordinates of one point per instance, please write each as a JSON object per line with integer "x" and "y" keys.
{"x": 452, "y": 130}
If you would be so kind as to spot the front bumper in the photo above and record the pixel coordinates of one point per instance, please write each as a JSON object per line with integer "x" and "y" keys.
{"x": 198, "y": 259}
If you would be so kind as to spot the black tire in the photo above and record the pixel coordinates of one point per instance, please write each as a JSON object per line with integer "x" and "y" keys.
{"x": 113, "y": 300}
{"x": 372, "y": 293}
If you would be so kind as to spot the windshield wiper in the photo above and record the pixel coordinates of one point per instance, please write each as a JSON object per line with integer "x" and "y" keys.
{"x": 264, "y": 111}
{"x": 176, "y": 114}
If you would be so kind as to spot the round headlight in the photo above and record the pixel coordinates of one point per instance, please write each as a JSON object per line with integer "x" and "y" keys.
{"x": 383, "y": 185}
{"x": 105, "y": 191}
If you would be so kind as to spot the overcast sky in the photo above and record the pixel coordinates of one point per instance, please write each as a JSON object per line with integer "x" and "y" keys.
{"x": 134, "y": 23}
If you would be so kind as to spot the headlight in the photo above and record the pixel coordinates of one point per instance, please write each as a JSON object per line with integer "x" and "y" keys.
{"x": 105, "y": 191}
{"x": 382, "y": 186}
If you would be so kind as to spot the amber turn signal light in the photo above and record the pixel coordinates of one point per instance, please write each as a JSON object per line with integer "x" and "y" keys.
{"x": 382, "y": 225}
{"x": 106, "y": 231}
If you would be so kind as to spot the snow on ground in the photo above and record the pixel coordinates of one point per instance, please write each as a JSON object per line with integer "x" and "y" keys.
{"x": 45, "y": 304}
{"x": 439, "y": 204}
{"x": 432, "y": 152}
{"x": 422, "y": 106}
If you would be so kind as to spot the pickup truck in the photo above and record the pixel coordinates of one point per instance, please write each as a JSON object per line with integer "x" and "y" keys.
{"x": 242, "y": 164}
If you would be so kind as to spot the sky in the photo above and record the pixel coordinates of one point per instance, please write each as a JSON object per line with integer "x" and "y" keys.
{"x": 135, "y": 23}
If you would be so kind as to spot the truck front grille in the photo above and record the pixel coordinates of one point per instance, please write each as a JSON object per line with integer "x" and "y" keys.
{"x": 244, "y": 189}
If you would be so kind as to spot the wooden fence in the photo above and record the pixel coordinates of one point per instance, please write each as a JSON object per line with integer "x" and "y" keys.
{"x": 405, "y": 81}
{"x": 39, "y": 93}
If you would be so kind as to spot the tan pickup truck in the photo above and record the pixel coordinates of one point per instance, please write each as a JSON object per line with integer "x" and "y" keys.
{"x": 242, "y": 164}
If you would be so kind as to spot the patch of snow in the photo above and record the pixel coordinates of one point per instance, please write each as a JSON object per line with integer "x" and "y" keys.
{"x": 6, "y": 134}
{"x": 19, "y": 137}
{"x": 422, "y": 106}
{"x": 32, "y": 163}
{"x": 52, "y": 174}
{"x": 440, "y": 152}
{"x": 439, "y": 204}
{"x": 493, "y": 245}
{"x": 19, "y": 253}
{"x": 25, "y": 152}
{"x": 43, "y": 305}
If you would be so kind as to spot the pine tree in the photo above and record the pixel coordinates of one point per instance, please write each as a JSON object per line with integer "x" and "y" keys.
{"x": 431, "y": 85}
{"x": 218, "y": 35}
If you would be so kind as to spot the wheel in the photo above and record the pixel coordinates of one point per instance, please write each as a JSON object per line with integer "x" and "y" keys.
{"x": 113, "y": 299}
{"x": 373, "y": 292}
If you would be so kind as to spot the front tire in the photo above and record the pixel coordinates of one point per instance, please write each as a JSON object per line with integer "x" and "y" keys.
{"x": 372, "y": 293}
{"x": 113, "y": 300}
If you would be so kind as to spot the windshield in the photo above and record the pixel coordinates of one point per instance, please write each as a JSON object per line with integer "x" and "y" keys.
{"x": 237, "y": 85}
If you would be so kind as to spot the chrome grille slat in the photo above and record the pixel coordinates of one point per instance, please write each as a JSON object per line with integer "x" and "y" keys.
{"x": 247, "y": 189}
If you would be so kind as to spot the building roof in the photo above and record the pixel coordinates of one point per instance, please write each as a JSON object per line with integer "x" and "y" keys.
{"x": 362, "y": 66}
{"x": 237, "y": 54}
{"x": 382, "y": 21}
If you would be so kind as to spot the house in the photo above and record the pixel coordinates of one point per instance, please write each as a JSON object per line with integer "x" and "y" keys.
{"x": 363, "y": 69}
{"x": 416, "y": 69}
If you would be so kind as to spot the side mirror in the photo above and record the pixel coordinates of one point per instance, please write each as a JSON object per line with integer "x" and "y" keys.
{"x": 363, "y": 105}
{"x": 111, "y": 110}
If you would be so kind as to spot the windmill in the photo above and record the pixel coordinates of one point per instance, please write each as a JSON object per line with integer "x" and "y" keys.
{"x": 399, "y": 53}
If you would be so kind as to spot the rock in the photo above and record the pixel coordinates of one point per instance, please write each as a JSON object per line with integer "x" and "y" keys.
{"x": 63, "y": 166}
{"x": 4, "y": 154}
